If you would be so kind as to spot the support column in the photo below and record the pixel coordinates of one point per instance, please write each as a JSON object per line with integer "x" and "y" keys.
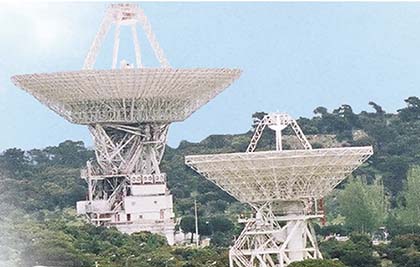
{"x": 296, "y": 245}
{"x": 274, "y": 241}
{"x": 127, "y": 169}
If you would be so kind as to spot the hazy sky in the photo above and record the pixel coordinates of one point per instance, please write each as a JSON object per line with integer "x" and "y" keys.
{"x": 294, "y": 56}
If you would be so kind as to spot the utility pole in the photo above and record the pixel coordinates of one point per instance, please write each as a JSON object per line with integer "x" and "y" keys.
{"x": 196, "y": 222}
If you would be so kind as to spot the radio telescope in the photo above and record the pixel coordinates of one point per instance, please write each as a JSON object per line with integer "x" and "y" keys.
{"x": 283, "y": 187}
{"x": 128, "y": 111}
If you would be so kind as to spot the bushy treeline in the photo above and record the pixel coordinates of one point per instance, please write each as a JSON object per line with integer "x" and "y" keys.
{"x": 38, "y": 185}
{"x": 59, "y": 238}
{"x": 394, "y": 137}
{"x": 43, "y": 178}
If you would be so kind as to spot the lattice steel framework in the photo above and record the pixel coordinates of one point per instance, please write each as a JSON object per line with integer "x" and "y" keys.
{"x": 283, "y": 187}
{"x": 127, "y": 95}
{"x": 259, "y": 177}
{"x": 277, "y": 122}
{"x": 128, "y": 110}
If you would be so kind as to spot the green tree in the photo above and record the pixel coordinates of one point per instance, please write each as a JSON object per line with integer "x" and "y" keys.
{"x": 378, "y": 201}
{"x": 377, "y": 108}
{"x": 187, "y": 225}
{"x": 222, "y": 228}
{"x": 220, "y": 223}
{"x": 13, "y": 160}
{"x": 317, "y": 263}
{"x": 256, "y": 118}
{"x": 404, "y": 250}
{"x": 412, "y": 111}
{"x": 356, "y": 252}
{"x": 409, "y": 210}
{"x": 364, "y": 206}
{"x": 321, "y": 111}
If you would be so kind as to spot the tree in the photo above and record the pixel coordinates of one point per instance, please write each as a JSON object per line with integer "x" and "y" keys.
{"x": 394, "y": 169}
{"x": 69, "y": 153}
{"x": 320, "y": 111}
{"x": 412, "y": 111}
{"x": 363, "y": 206}
{"x": 404, "y": 250}
{"x": 217, "y": 206}
{"x": 409, "y": 210}
{"x": 378, "y": 201}
{"x": 204, "y": 227}
{"x": 221, "y": 224}
{"x": 377, "y": 108}
{"x": 188, "y": 225}
{"x": 317, "y": 263}
{"x": 256, "y": 118}
{"x": 222, "y": 229}
{"x": 356, "y": 252}
{"x": 332, "y": 229}
{"x": 14, "y": 160}
{"x": 221, "y": 240}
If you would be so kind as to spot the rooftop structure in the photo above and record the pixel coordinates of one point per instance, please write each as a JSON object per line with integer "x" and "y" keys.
{"x": 128, "y": 109}
{"x": 283, "y": 186}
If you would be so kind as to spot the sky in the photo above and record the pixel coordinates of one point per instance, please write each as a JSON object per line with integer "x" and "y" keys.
{"x": 294, "y": 56}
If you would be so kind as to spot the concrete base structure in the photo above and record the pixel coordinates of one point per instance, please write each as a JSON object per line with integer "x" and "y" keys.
{"x": 137, "y": 208}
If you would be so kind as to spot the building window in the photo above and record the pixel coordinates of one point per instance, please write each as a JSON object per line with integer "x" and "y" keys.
{"x": 128, "y": 217}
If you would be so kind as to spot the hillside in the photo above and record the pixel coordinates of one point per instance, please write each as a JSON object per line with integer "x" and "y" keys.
{"x": 39, "y": 188}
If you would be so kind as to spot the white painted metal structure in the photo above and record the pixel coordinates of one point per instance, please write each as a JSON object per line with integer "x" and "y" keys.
{"x": 283, "y": 186}
{"x": 128, "y": 112}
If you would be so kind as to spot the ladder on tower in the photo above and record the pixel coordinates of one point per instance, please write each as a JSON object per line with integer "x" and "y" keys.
{"x": 257, "y": 135}
{"x": 298, "y": 131}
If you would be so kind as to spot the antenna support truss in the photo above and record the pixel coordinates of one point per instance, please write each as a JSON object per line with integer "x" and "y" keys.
{"x": 128, "y": 110}
{"x": 283, "y": 187}
{"x": 277, "y": 122}
{"x": 124, "y": 15}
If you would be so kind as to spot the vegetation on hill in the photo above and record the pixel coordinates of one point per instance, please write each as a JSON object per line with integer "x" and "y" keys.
{"x": 39, "y": 188}
{"x": 317, "y": 263}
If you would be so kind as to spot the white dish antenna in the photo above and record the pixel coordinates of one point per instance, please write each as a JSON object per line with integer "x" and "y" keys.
{"x": 292, "y": 180}
{"x": 128, "y": 111}
{"x": 127, "y": 94}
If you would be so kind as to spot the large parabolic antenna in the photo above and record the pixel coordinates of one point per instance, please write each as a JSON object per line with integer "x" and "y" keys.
{"x": 128, "y": 110}
{"x": 283, "y": 186}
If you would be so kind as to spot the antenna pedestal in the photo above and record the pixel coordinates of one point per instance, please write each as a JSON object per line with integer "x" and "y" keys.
{"x": 125, "y": 186}
{"x": 275, "y": 241}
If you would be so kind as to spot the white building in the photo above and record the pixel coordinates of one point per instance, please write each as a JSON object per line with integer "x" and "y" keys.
{"x": 144, "y": 207}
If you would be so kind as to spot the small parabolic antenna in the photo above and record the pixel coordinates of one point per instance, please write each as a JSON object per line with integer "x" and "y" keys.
{"x": 283, "y": 187}
{"x": 128, "y": 109}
